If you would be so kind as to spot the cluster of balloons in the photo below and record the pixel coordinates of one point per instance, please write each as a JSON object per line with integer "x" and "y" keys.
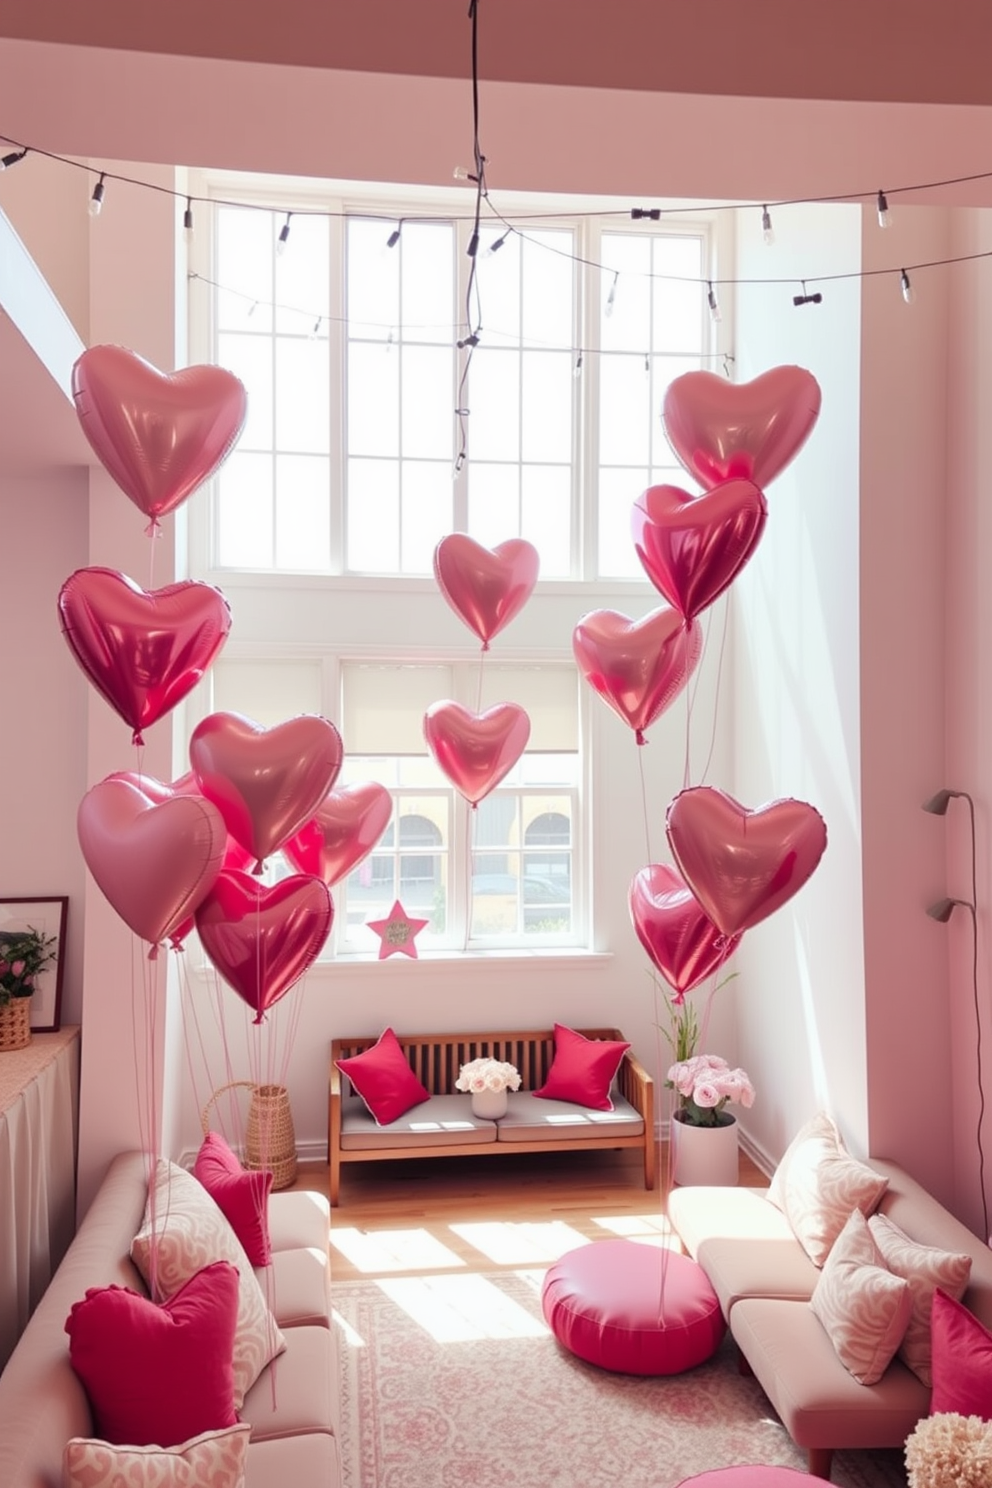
{"x": 171, "y": 856}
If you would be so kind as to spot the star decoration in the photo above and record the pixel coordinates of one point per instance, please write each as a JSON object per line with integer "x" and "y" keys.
{"x": 397, "y": 932}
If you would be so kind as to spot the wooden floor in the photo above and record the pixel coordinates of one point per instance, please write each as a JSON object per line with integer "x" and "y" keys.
{"x": 474, "y": 1214}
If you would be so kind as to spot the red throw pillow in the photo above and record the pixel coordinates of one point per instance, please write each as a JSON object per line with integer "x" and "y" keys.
{"x": 384, "y": 1079}
{"x": 241, "y": 1196}
{"x": 961, "y": 1360}
{"x": 582, "y": 1070}
{"x": 158, "y": 1374}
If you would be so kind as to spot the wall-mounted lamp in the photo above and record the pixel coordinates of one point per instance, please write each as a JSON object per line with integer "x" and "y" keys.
{"x": 944, "y": 908}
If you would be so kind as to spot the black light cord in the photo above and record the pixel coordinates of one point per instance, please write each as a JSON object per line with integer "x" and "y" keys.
{"x": 978, "y": 1020}
{"x": 473, "y": 304}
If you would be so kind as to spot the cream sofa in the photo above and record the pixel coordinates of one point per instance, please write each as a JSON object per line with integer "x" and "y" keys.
{"x": 764, "y": 1280}
{"x": 290, "y": 1407}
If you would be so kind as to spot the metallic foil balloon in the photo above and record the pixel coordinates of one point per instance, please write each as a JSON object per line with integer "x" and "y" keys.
{"x": 693, "y": 547}
{"x": 266, "y": 782}
{"x": 743, "y": 865}
{"x": 262, "y": 940}
{"x": 637, "y": 666}
{"x": 153, "y": 861}
{"x": 344, "y": 829}
{"x": 143, "y": 651}
{"x": 159, "y": 434}
{"x": 485, "y": 587}
{"x": 723, "y": 430}
{"x": 476, "y": 750}
{"x": 678, "y": 935}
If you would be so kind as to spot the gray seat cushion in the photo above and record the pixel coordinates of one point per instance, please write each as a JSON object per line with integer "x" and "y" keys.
{"x": 437, "y": 1122}
{"x": 530, "y": 1118}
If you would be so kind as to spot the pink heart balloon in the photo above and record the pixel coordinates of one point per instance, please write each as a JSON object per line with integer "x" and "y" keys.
{"x": 637, "y": 666}
{"x": 262, "y": 940}
{"x": 676, "y": 932}
{"x": 693, "y": 547}
{"x": 346, "y": 827}
{"x": 476, "y": 750}
{"x": 266, "y": 783}
{"x": 143, "y": 651}
{"x": 485, "y": 587}
{"x": 159, "y": 434}
{"x": 154, "y": 861}
{"x": 722, "y": 430}
{"x": 743, "y": 865}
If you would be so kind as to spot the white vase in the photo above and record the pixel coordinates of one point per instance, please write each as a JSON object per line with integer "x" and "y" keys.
{"x": 489, "y": 1105}
{"x": 704, "y": 1155}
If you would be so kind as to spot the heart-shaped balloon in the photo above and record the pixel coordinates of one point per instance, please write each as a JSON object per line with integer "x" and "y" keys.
{"x": 485, "y": 587}
{"x": 693, "y": 547}
{"x": 637, "y": 666}
{"x": 476, "y": 750}
{"x": 743, "y": 865}
{"x": 159, "y": 434}
{"x": 723, "y": 430}
{"x": 346, "y": 827}
{"x": 154, "y": 861}
{"x": 676, "y": 932}
{"x": 143, "y": 651}
{"x": 266, "y": 782}
{"x": 262, "y": 940}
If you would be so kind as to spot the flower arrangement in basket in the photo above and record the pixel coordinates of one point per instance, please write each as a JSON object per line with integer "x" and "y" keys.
{"x": 487, "y": 1074}
{"x": 24, "y": 954}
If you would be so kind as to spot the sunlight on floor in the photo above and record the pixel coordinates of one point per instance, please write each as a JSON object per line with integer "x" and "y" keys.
{"x": 393, "y": 1250}
{"x": 458, "y": 1309}
{"x": 348, "y": 1334}
{"x": 647, "y": 1229}
{"x": 521, "y": 1244}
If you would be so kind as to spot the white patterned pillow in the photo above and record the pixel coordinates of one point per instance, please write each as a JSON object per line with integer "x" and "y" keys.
{"x": 215, "y": 1459}
{"x": 818, "y": 1183}
{"x": 925, "y": 1268}
{"x": 862, "y": 1306}
{"x": 191, "y": 1232}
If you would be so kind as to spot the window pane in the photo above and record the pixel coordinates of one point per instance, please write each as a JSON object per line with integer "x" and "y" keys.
{"x": 373, "y": 516}
{"x": 427, "y": 270}
{"x": 626, "y": 325}
{"x": 250, "y": 358}
{"x": 427, "y": 514}
{"x": 302, "y": 396}
{"x": 303, "y": 520}
{"x": 302, "y": 275}
{"x": 373, "y": 289}
{"x": 625, "y": 412}
{"x": 618, "y": 490}
{"x": 428, "y": 402}
{"x": 666, "y": 369}
{"x": 499, "y": 285}
{"x": 546, "y": 500}
{"x": 267, "y": 692}
{"x": 548, "y": 387}
{"x": 373, "y": 400}
{"x": 493, "y": 502}
{"x": 548, "y": 287}
{"x": 245, "y": 256}
{"x": 678, "y": 307}
{"x": 494, "y": 398}
{"x": 244, "y": 511}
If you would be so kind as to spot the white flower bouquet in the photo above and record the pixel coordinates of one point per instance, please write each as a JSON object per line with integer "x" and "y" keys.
{"x": 487, "y": 1074}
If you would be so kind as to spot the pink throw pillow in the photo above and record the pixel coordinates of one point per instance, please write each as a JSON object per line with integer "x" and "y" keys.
{"x": 961, "y": 1359}
{"x": 862, "y": 1306}
{"x": 384, "y": 1079}
{"x": 582, "y": 1070}
{"x": 241, "y": 1196}
{"x": 925, "y": 1268}
{"x": 214, "y": 1457}
{"x": 158, "y": 1374}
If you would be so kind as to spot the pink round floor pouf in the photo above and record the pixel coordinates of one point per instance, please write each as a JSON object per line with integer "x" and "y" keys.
{"x": 750, "y": 1477}
{"x": 636, "y": 1309}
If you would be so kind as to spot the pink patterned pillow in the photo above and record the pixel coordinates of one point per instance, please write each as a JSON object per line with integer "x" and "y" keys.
{"x": 190, "y": 1232}
{"x": 214, "y": 1459}
{"x": 925, "y": 1268}
{"x": 862, "y": 1306}
{"x": 241, "y": 1195}
{"x": 818, "y": 1183}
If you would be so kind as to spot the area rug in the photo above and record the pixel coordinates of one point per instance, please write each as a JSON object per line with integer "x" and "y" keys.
{"x": 454, "y": 1381}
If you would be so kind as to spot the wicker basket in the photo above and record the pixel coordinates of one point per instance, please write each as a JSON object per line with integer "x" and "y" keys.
{"x": 270, "y": 1139}
{"x": 15, "y": 1024}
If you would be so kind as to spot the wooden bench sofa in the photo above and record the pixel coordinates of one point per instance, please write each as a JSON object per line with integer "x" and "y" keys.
{"x": 439, "y": 1128}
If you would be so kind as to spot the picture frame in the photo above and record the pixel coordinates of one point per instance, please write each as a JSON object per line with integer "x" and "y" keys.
{"x": 47, "y": 915}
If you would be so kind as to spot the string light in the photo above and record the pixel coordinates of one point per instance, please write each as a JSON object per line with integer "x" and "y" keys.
{"x": 653, "y": 214}
{"x": 188, "y": 219}
{"x": 96, "y": 200}
{"x": 882, "y": 206}
{"x": 577, "y": 372}
{"x": 713, "y": 303}
{"x": 807, "y": 299}
{"x": 906, "y": 287}
{"x": 497, "y": 244}
{"x": 6, "y": 161}
{"x": 283, "y": 235}
{"x": 316, "y": 327}
{"x": 611, "y": 297}
{"x": 767, "y": 231}
{"x": 394, "y": 236}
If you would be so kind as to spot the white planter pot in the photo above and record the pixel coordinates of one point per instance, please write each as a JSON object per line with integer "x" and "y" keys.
{"x": 704, "y": 1155}
{"x": 489, "y": 1105}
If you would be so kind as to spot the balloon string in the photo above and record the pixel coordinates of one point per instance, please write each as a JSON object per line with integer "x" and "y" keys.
{"x": 707, "y": 1007}
{"x": 191, "y": 1017}
{"x": 482, "y": 665}
{"x": 719, "y": 684}
{"x": 469, "y": 873}
{"x": 666, "y": 1150}
{"x": 644, "y": 806}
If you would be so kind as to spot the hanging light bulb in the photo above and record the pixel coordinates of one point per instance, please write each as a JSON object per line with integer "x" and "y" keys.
{"x": 882, "y": 204}
{"x": 767, "y": 231}
{"x": 283, "y": 235}
{"x": 713, "y": 303}
{"x": 496, "y": 244}
{"x": 908, "y": 292}
{"x": 611, "y": 297}
{"x": 6, "y": 161}
{"x": 188, "y": 220}
{"x": 96, "y": 200}
{"x": 394, "y": 236}
{"x": 577, "y": 370}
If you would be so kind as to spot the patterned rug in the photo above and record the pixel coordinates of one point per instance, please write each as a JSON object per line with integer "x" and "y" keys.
{"x": 455, "y": 1380}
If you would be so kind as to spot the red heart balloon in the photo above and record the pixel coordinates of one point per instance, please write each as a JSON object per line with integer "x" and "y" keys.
{"x": 159, "y": 434}
{"x": 676, "y": 932}
{"x": 154, "y": 861}
{"x": 693, "y": 547}
{"x": 143, "y": 652}
{"x": 476, "y": 750}
{"x": 743, "y": 865}
{"x": 347, "y": 825}
{"x": 637, "y": 666}
{"x": 262, "y": 940}
{"x": 722, "y": 430}
{"x": 266, "y": 783}
{"x": 485, "y": 587}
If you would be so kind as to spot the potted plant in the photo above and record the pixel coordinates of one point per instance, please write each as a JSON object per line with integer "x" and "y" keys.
{"x": 24, "y": 954}
{"x": 488, "y": 1080}
{"x": 703, "y": 1132}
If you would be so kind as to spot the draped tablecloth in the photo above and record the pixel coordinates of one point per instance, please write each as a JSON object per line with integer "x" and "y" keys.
{"x": 39, "y": 1105}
